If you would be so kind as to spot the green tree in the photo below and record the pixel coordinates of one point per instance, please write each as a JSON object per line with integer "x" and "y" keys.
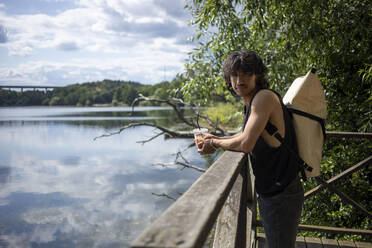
{"x": 7, "y": 97}
{"x": 126, "y": 94}
{"x": 55, "y": 101}
{"x": 293, "y": 36}
{"x": 162, "y": 90}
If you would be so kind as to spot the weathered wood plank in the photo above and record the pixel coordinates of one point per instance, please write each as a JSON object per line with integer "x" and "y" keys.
{"x": 250, "y": 182}
{"x": 228, "y": 222}
{"x": 300, "y": 242}
{"x": 359, "y": 244}
{"x": 313, "y": 242}
{"x": 310, "y": 242}
{"x": 329, "y": 229}
{"x": 346, "y": 244}
{"x": 251, "y": 207}
{"x": 187, "y": 222}
{"x": 251, "y": 231}
{"x": 229, "y": 231}
{"x": 348, "y": 135}
{"x": 329, "y": 243}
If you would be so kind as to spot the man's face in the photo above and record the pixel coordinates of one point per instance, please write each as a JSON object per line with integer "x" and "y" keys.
{"x": 243, "y": 83}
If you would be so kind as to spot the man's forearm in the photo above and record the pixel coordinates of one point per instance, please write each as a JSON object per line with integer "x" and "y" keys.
{"x": 231, "y": 143}
{"x": 228, "y": 137}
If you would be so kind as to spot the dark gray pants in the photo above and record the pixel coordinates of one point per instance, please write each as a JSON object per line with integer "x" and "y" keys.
{"x": 280, "y": 215}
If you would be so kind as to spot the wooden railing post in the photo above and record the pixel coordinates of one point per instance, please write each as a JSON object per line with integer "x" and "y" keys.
{"x": 251, "y": 207}
{"x": 230, "y": 227}
{"x": 235, "y": 222}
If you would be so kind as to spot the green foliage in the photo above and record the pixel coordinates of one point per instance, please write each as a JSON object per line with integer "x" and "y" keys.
{"x": 227, "y": 115}
{"x": 292, "y": 36}
{"x": 12, "y": 98}
{"x": 328, "y": 209}
{"x": 366, "y": 73}
{"x": 116, "y": 93}
{"x": 55, "y": 101}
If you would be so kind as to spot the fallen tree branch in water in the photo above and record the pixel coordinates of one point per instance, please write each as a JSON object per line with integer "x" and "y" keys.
{"x": 212, "y": 124}
{"x": 179, "y": 154}
{"x": 188, "y": 147}
{"x": 171, "y": 133}
{"x": 173, "y": 102}
{"x": 148, "y": 140}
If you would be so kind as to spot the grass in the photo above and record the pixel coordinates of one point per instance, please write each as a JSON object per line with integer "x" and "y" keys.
{"x": 228, "y": 116}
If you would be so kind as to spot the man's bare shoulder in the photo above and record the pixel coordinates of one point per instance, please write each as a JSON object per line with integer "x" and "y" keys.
{"x": 265, "y": 97}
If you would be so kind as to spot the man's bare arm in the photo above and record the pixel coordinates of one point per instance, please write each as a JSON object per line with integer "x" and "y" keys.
{"x": 211, "y": 136}
{"x": 261, "y": 110}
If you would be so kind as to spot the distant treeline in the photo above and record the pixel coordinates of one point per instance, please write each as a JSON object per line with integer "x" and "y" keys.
{"x": 110, "y": 92}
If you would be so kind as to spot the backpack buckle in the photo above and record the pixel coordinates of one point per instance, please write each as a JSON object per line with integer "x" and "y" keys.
{"x": 307, "y": 167}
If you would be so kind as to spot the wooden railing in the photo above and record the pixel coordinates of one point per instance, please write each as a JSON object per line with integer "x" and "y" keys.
{"x": 225, "y": 196}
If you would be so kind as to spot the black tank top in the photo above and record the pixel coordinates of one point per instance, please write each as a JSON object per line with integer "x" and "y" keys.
{"x": 274, "y": 167}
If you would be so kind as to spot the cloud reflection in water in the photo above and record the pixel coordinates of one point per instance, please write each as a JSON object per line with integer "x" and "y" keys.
{"x": 62, "y": 189}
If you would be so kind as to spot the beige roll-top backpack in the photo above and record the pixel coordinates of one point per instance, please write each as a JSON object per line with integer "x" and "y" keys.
{"x": 305, "y": 98}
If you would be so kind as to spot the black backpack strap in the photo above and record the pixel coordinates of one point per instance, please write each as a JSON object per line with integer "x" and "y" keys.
{"x": 310, "y": 116}
{"x": 247, "y": 111}
{"x": 273, "y": 131}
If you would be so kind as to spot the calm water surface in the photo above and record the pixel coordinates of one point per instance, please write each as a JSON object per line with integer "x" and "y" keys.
{"x": 59, "y": 188}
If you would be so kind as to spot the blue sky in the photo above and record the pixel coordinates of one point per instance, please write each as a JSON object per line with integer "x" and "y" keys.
{"x": 61, "y": 42}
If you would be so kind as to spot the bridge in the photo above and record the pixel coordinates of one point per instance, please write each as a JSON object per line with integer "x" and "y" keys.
{"x": 223, "y": 199}
{"x": 34, "y": 87}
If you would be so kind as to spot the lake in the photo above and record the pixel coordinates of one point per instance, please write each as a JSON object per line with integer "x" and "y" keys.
{"x": 60, "y": 188}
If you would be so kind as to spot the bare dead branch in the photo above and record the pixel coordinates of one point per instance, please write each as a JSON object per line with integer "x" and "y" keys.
{"x": 165, "y": 195}
{"x": 131, "y": 125}
{"x": 191, "y": 166}
{"x": 212, "y": 124}
{"x": 185, "y": 165}
{"x": 142, "y": 142}
{"x": 171, "y": 102}
{"x": 164, "y": 164}
{"x": 179, "y": 154}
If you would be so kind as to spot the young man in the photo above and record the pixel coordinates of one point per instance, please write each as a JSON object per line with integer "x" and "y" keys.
{"x": 279, "y": 190}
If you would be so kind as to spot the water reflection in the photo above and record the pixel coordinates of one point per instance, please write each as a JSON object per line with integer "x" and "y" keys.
{"x": 107, "y": 117}
{"x": 70, "y": 160}
{"x": 59, "y": 188}
{"x": 4, "y": 174}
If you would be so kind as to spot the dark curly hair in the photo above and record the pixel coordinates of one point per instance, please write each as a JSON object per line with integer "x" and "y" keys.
{"x": 247, "y": 62}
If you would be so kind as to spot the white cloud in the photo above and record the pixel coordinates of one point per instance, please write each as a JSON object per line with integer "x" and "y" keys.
{"x": 141, "y": 67}
{"x": 145, "y": 34}
{"x": 96, "y": 22}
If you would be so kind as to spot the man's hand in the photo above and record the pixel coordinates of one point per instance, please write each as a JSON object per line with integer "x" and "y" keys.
{"x": 205, "y": 146}
{"x": 209, "y": 136}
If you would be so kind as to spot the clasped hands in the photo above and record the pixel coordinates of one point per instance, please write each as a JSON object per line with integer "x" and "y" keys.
{"x": 205, "y": 146}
